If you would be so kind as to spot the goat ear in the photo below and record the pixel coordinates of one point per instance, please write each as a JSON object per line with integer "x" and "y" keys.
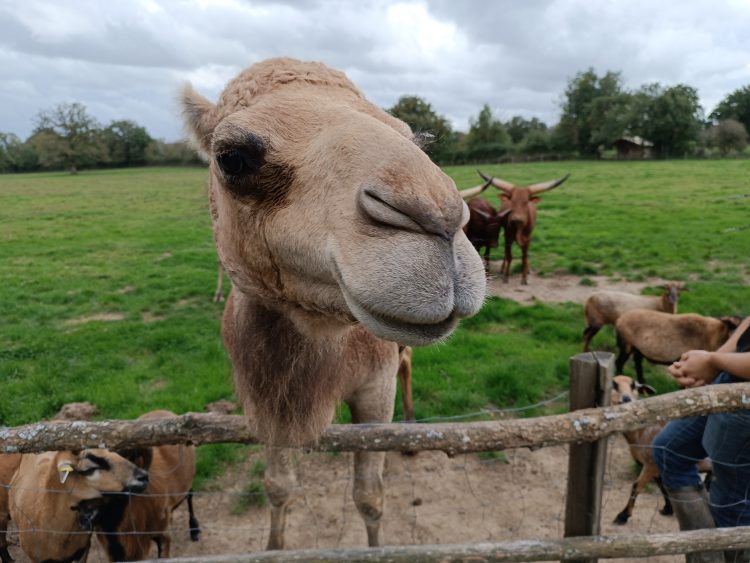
{"x": 646, "y": 389}
{"x": 199, "y": 119}
{"x": 731, "y": 322}
{"x": 64, "y": 468}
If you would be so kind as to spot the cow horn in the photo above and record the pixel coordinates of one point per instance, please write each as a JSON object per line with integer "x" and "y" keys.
{"x": 507, "y": 187}
{"x": 546, "y": 186}
{"x": 469, "y": 193}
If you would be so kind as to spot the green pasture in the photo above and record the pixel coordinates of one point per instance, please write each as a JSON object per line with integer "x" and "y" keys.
{"x": 107, "y": 276}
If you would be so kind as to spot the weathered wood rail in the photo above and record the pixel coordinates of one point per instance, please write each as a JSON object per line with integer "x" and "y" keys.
{"x": 453, "y": 438}
{"x": 605, "y": 547}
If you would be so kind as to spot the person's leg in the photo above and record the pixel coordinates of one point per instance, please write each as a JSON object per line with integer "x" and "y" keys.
{"x": 727, "y": 440}
{"x": 677, "y": 449}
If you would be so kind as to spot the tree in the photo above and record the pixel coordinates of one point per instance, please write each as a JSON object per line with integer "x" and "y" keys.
{"x": 611, "y": 117}
{"x": 735, "y": 106}
{"x": 126, "y": 142}
{"x": 420, "y": 116}
{"x": 537, "y": 141}
{"x": 16, "y": 156}
{"x": 671, "y": 118}
{"x": 67, "y": 136}
{"x": 580, "y": 115}
{"x": 519, "y": 128}
{"x": 727, "y": 135}
{"x": 487, "y": 137}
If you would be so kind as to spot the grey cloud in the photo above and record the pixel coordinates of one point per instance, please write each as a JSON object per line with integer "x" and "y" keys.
{"x": 127, "y": 59}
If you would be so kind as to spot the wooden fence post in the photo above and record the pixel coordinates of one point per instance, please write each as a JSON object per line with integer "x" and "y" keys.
{"x": 590, "y": 386}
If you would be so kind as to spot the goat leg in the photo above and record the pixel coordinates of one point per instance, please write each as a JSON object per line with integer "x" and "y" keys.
{"x": 195, "y": 527}
{"x": 649, "y": 472}
{"x": 667, "y": 510}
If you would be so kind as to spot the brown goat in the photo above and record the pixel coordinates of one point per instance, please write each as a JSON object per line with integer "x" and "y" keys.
{"x": 55, "y": 497}
{"x": 341, "y": 238}
{"x": 8, "y": 465}
{"x": 519, "y": 202}
{"x": 662, "y": 338}
{"x": 129, "y": 523}
{"x": 627, "y": 390}
{"x": 605, "y": 307}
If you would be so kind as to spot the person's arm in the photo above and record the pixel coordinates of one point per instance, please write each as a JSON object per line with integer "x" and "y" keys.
{"x": 731, "y": 344}
{"x": 698, "y": 367}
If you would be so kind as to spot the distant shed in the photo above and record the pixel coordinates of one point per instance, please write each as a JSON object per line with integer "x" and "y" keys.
{"x": 633, "y": 148}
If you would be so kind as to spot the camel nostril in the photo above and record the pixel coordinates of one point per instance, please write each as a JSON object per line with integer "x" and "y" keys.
{"x": 377, "y": 207}
{"x": 384, "y": 205}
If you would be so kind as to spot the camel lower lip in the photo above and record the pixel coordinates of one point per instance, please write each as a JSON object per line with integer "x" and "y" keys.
{"x": 397, "y": 330}
{"x": 439, "y": 326}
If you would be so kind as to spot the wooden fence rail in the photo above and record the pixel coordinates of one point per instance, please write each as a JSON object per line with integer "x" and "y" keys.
{"x": 605, "y": 547}
{"x": 453, "y": 438}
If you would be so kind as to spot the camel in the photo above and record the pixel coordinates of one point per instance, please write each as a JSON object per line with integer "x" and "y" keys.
{"x": 219, "y": 291}
{"x": 341, "y": 240}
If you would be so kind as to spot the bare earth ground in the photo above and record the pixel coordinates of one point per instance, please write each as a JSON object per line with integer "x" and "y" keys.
{"x": 430, "y": 498}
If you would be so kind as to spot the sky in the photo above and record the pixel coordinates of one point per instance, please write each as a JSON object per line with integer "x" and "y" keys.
{"x": 126, "y": 59}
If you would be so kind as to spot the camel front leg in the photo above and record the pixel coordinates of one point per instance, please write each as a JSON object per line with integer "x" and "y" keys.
{"x": 372, "y": 403}
{"x": 369, "y": 493}
{"x": 280, "y": 482}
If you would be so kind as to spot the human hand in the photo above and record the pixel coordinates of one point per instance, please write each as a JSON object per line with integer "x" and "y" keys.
{"x": 693, "y": 369}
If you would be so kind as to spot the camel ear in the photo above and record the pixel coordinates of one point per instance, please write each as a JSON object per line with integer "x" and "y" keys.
{"x": 198, "y": 116}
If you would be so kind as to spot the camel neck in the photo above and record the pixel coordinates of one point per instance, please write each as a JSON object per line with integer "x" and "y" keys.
{"x": 287, "y": 368}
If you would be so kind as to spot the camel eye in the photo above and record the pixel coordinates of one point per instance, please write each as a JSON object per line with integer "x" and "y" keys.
{"x": 239, "y": 163}
{"x": 230, "y": 162}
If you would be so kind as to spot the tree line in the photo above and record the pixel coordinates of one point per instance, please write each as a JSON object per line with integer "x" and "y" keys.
{"x": 596, "y": 111}
{"x": 67, "y": 137}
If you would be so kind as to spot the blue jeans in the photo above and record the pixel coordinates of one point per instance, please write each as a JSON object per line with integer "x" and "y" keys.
{"x": 725, "y": 438}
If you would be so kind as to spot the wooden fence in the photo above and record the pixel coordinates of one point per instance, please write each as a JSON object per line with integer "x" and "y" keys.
{"x": 586, "y": 429}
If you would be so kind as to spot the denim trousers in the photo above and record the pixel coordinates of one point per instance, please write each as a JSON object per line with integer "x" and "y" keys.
{"x": 725, "y": 438}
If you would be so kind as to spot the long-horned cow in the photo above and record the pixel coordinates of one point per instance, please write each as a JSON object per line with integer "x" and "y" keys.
{"x": 520, "y": 202}
{"x": 484, "y": 226}
{"x": 341, "y": 239}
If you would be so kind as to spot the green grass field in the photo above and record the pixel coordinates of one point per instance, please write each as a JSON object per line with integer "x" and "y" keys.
{"x": 107, "y": 279}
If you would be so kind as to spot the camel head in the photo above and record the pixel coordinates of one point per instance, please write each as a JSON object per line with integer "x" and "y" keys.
{"x": 323, "y": 204}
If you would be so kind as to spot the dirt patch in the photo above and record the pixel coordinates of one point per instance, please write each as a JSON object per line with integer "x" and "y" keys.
{"x": 148, "y": 317}
{"x": 560, "y": 288}
{"x": 106, "y": 317}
